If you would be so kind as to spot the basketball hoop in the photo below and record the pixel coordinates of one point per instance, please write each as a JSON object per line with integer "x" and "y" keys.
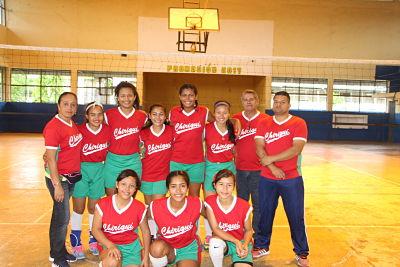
{"x": 193, "y": 25}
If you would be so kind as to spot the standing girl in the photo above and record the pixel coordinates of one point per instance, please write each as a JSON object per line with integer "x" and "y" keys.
{"x": 125, "y": 122}
{"x": 115, "y": 224}
{"x": 189, "y": 121}
{"x": 63, "y": 144}
{"x": 176, "y": 218}
{"x": 96, "y": 138}
{"x": 229, "y": 217}
{"x": 157, "y": 139}
{"x": 220, "y": 142}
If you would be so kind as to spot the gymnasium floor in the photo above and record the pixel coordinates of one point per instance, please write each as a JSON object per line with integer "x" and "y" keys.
{"x": 352, "y": 206}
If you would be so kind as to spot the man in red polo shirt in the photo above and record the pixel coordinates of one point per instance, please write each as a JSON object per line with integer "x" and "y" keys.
{"x": 279, "y": 142}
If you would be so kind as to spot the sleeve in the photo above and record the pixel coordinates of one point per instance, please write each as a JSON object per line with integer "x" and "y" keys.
{"x": 51, "y": 138}
{"x": 300, "y": 131}
{"x": 99, "y": 209}
{"x": 261, "y": 129}
{"x": 207, "y": 112}
{"x": 143, "y": 215}
{"x": 248, "y": 213}
{"x": 151, "y": 209}
{"x": 106, "y": 118}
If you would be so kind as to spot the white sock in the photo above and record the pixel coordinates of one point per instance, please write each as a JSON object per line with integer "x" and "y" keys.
{"x": 153, "y": 227}
{"x": 216, "y": 251}
{"x": 158, "y": 262}
{"x": 208, "y": 228}
{"x": 90, "y": 221}
{"x": 76, "y": 221}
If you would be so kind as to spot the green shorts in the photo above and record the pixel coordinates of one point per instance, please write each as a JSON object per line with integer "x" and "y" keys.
{"x": 190, "y": 252}
{"x": 154, "y": 188}
{"x": 92, "y": 183}
{"x": 115, "y": 164}
{"x": 195, "y": 171}
{"x": 231, "y": 251}
{"x": 131, "y": 253}
{"x": 212, "y": 169}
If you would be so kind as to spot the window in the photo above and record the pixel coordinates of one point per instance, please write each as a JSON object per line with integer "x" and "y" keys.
{"x": 2, "y": 13}
{"x": 356, "y": 95}
{"x": 305, "y": 93}
{"x": 99, "y": 86}
{"x": 39, "y": 86}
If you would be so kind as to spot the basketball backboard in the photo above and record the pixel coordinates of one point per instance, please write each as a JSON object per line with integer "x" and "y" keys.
{"x": 202, "y": 19}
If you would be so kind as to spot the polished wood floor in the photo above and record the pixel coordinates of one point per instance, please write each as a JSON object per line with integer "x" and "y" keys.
{"x": 352, "y": 206}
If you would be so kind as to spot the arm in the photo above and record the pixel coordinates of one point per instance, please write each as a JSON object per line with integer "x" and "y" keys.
{"x": 289, "y": 153}
{"x": 52, "y": 163}
{"x": 236, "y": 125}
{"x": 248, "y": 235}
{"x": 113, "y": 251}
{"x": 262, "y": 155}
{"x": 144, "y": 228}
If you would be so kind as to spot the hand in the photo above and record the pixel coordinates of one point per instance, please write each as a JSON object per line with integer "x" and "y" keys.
{"x": 113, "y": 252}
{"x": 58, "y": 193}
{"x": 239, "y": 249}
{"x": 277, "y": 172}
{"x": 266, "y": 160}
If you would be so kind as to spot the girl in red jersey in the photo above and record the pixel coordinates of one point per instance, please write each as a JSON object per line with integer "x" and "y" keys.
{"x": 229, "y": 217}
{"x": 220, "y": 143}
{"x": 63, "y": 144}
{"x": 189, "y": 120}
{"x": 125, "y": 122}
{"x": 115, "y": 224}
{"x": 157, "y": 139}
{"x": 176, "y": 218}
{"x": 96, "y": 138}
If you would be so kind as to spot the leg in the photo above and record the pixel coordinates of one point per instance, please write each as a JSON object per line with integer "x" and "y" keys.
{"x": 292, "y": 192}
{"x": 194, "y": 189}
{"x": 59, "y": 222}
{"x": 161, "y": 253}
{"x": 107, "y": 261}
{"x": 253, "y": 183}
{"x": 268, "y": 199}
{"x": 76, "y": 227}
{"x": 216, "y": 251}
{"x": 242, "y": 187}
{"x": 93, "y": 246}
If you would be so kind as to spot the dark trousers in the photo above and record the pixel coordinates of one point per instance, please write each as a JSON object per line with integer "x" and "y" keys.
{"x": 59, "y": 221}
{"x": 292, "y": 193}
{"x": 247, "y": 186}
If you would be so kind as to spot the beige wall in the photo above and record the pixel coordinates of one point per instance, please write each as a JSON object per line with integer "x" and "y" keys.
{"x": 307, "y": 28}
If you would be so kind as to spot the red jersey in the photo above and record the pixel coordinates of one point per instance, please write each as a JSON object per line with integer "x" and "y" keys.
{"x": 66, "y": 139}
{"x": 178, "y": 229}
{"x": 246, "y": 157}
{"x": 155, "y": 164}
{"x": 95, "y": 143}
{"x": 219, "y": 147}
{"x": 119, "y": 225}
{"x": 278, "y": 137}
{"x": 233, "y": 219}
{"x": 189, "y": 128}
{"x": 125, "y": 130}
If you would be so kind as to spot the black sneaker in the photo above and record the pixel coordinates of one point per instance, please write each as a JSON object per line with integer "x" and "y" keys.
{"x": 62, "y": 263}
{"x": 68, "y": 257}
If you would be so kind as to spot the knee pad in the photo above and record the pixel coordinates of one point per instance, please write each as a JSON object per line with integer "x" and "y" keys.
{"x": 158, "y": 262}
{"x": 217, "y": 247}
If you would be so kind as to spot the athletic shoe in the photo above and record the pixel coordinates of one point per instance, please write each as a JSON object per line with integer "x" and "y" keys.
{"x": 259, "y": 252}
{"x": 93, "y": 248}
{"x": 68, "y": 258}
{"x": 78, "y": 252}
{"x": 206, "y": 243}
{"x": 302, "y": 261}
{"x": 63, "y": 263}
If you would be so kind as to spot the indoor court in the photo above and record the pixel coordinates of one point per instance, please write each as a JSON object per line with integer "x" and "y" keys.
{"x": 339, "y": 60}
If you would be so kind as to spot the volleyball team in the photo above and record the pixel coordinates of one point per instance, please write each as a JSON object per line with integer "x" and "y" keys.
{"x": 123, "y": 150}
